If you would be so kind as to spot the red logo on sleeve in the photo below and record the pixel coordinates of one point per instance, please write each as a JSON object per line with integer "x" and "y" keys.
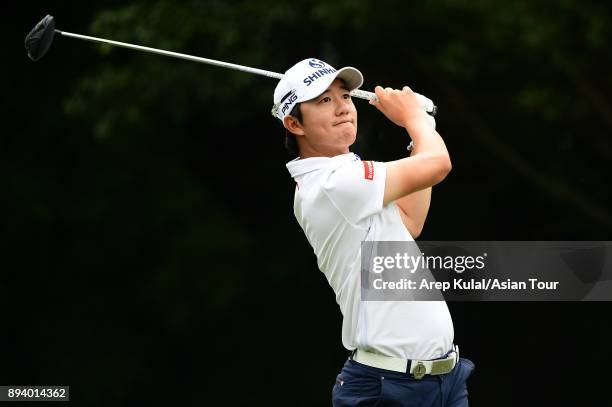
{"x": 368, "y": 168}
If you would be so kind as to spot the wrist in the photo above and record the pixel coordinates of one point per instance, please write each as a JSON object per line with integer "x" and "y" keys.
{"x": 415, "y": 118}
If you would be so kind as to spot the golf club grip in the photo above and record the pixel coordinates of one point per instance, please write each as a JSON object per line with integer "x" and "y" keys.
{"x": 426, "y": 103}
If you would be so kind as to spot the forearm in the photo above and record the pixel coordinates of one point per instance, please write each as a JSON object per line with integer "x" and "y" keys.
{"x": 430, "y": 162}
{"x": 425, "y": 138}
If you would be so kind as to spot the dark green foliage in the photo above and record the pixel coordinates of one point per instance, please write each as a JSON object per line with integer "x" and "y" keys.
{"x": 148, "y": 239}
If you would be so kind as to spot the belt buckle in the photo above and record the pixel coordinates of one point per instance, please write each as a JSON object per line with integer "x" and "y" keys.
{"x": 419, "y": 371}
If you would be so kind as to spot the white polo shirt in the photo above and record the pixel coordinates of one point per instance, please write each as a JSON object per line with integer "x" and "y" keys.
{"x": 339, "y": 203}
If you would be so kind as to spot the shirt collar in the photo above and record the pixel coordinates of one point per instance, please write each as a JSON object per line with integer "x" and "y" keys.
{"x": 301, "y": 166}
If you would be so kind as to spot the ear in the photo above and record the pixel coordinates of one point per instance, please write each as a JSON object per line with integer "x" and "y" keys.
{"x": 293, "y": 125}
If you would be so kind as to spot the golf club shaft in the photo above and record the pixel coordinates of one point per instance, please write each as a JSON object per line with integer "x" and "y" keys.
{"x": 173, "y": 54}
{"x": 426, "y": 103}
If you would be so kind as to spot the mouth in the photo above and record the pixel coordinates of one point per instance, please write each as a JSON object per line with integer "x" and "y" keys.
{"x": 343, "y": 122}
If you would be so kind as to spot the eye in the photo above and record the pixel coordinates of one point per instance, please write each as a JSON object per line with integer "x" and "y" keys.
{"x": 347, "y": 95}
{"x": 326, "y": 99}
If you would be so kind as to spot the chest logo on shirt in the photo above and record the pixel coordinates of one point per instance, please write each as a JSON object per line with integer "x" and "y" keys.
{"x": 368, "y": 169}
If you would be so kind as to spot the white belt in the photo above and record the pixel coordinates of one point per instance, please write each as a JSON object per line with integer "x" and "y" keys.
{"x": 418, "y": 368}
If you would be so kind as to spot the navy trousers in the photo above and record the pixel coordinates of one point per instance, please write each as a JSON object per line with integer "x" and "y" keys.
{"x": 362, "y": 385}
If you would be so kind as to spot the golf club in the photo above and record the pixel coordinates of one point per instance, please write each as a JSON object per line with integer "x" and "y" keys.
{"x": 39, "y": 39}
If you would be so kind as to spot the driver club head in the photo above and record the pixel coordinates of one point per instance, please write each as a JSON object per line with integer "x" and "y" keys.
{"x": 38, "y": 41}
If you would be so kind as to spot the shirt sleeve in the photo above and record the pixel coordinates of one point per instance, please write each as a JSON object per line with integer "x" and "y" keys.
{"x": 357, "y": 189}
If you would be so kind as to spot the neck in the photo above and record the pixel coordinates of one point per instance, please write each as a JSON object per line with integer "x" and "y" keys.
{"x": 308, "y": 151}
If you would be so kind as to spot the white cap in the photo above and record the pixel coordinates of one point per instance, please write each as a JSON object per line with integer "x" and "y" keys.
{"x": 308, "y": 79}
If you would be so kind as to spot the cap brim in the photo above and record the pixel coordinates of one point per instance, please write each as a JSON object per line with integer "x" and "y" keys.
{"x": 351, "y": 76}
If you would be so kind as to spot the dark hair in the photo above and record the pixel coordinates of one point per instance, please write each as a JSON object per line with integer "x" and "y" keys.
{"x": 290, "y": 141}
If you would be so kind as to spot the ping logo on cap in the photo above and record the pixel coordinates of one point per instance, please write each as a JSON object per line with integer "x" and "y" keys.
{"x": 289, "y": 99}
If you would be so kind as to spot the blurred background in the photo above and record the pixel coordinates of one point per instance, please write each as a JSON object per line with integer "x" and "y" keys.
{"x": 148, "y": 244}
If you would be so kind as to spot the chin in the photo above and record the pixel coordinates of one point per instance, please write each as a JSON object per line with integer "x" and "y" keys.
{"x": 351, "y": 139}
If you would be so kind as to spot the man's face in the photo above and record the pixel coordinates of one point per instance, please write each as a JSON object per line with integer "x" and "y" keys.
{"x": 329, "y": 122}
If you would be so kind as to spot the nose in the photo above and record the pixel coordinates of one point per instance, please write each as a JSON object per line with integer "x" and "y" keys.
{"x": 342, "y": 106}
